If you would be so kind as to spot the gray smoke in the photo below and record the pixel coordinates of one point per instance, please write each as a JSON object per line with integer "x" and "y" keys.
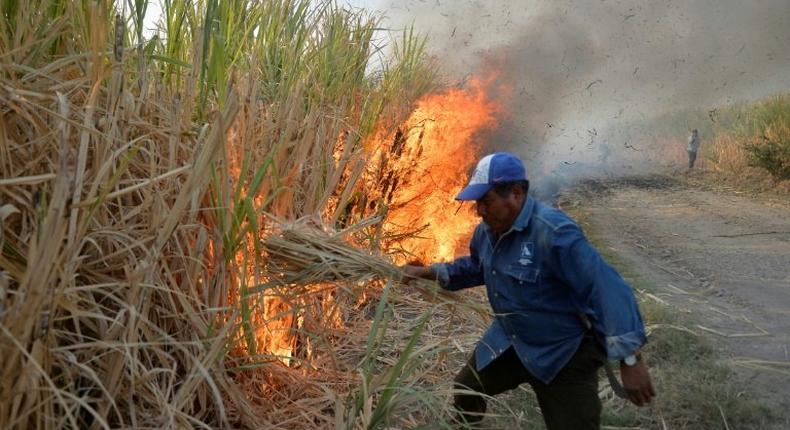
{"x": 580, "y": 73}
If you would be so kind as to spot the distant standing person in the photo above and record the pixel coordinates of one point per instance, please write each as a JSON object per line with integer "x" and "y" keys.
{"x": 693, "y": 147}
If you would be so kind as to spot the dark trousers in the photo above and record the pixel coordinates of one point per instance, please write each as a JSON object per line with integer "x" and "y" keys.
{"x": 692, "y": 158}
{"x": 570, "y": 401}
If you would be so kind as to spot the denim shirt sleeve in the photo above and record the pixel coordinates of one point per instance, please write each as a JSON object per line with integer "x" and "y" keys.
{"x": 464, "y": 272}
{"x": 598, "y": 287}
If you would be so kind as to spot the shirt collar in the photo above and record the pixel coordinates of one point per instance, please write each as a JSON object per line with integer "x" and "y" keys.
{"x": 522, "y": 221}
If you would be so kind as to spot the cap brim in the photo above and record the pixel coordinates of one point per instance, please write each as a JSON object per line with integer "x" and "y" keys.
{"x": 473, "y": 192}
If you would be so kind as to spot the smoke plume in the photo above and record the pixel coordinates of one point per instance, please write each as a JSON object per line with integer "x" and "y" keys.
{"x": 576, "y": 75}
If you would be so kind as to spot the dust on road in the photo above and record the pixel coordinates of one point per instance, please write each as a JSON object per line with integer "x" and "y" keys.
{"x": 722, "y": 256}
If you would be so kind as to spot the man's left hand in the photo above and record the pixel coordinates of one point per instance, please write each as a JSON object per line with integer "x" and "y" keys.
{"x": 413, "y": 272}
{"x": 637, "y": 383}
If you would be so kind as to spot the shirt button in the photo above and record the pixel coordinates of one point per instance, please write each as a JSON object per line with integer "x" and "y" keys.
{"x": 493, "y": 272}
{"x": 496, "y": 294}
{"x": 513, "y": 336}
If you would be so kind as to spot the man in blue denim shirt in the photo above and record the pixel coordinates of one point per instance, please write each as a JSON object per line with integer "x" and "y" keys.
{"x": 559, "y": 308}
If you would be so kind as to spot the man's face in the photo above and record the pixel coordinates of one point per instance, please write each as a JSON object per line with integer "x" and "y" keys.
{"x": 500, "y": 212}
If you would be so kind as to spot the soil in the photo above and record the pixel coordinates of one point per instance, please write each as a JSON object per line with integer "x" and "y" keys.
{"x": 720, "y": 254}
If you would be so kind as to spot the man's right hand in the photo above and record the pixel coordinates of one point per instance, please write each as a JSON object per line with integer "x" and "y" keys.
{"x": 412, "y": 272}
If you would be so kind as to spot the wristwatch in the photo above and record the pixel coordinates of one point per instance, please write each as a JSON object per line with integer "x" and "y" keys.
{"x": 631, "y": 360}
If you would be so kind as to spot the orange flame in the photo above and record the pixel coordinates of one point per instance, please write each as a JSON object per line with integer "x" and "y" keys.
{"x": 417, "y": 175}
{"x": 443, "y": 133}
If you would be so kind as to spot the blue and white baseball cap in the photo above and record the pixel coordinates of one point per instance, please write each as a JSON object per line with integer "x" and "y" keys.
{"x": 493, "y": 169}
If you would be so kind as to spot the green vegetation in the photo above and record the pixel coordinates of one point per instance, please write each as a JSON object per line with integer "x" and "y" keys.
{"x": 766, "y": 128}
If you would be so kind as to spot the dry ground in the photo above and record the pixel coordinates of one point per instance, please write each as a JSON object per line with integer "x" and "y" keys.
{"x": 719, "y": 254}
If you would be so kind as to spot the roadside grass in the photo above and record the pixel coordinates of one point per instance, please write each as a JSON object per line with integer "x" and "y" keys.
{"x": 695, "y": 390}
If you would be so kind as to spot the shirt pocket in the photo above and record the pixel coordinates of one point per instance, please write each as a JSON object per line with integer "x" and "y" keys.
{"x": 523, "y": 274}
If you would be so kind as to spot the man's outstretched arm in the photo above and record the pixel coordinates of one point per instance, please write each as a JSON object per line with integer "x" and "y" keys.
{"x": 616, "y": 317}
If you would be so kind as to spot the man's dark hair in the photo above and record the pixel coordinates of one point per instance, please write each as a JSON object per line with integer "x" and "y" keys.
{"x": 506, "y": 188}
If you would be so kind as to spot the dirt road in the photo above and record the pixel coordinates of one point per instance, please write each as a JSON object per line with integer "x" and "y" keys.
{"x": 723, "y": 256}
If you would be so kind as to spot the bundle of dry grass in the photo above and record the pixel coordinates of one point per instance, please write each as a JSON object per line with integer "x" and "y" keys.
{"x": 300, "y": 254}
